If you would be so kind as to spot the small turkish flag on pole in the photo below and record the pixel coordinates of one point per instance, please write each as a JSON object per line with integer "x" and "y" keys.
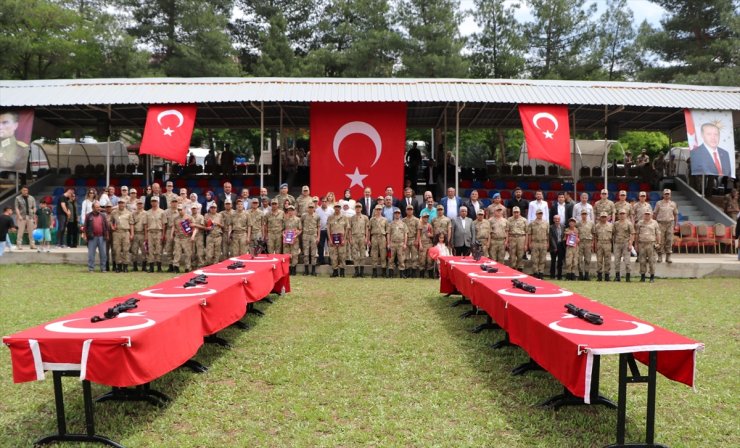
{"x": 168, "y": 130}
{"x": 546, "y": 132}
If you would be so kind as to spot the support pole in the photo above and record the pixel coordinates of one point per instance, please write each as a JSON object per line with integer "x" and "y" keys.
{"x": 575, "y": 170}
{"x": 107, "y": 153}
{"x": 262, "y": 145}
{"x": 457, "y": 146}
{"x": 606, "y": 146}
{"x": 444, "y": 154}
{"x": 280, "y": 149}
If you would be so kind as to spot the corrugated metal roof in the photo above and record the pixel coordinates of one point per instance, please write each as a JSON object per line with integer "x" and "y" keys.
{"x": 306, "y": 90}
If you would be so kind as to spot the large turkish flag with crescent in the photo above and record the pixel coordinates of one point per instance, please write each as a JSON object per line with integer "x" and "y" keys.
{"x": 546, "y": 132}
{"x": 357, "y": 145}
{"x": 168, "y": 130}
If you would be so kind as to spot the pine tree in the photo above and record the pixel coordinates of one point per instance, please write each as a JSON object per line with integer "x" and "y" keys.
{"x": 617, "y": 40}
{"x": 498, "y": 49}
{"x": 276, "y": 58}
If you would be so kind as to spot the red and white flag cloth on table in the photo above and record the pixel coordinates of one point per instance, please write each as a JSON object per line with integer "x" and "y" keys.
{"x": 357, "y": 145}
{"x": 168, "y": 131}
{"x": 547, "y": 133}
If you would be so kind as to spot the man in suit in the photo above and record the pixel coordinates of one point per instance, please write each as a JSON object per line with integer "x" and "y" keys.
{"x": 463, "y": 232}
{"x": 561, "y": 208}
{"x": 451, "y": 204}
{"x": 474, "y": 204}
{"x": 409, "y": 199}
{"x": 709, "y": 158}
{"x": 367, "y": 202}
{"x": 227, "y": 194}
{"x": 556, "y": 247}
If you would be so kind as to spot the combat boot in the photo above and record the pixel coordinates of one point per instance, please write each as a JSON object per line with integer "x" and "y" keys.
{"x": 171, "y": 268}
{"x": 618, "y": 277}
{"x": 660, "y": 258}
{"x": 151, "y": 268}
{"x": 391, "y": 273}
{"x": 356, "y": 274}
{"x": 176, "y": 269}
{"x": 335, "y": 273}
{"x": 159, "y": 267}
{"x": 341, "y": 272}
{"x": 652, "y": 278}
{"x": 642, "y": 278}
{"x": 143, "y": 266}
{"x": 125, "y": 268}
{"x": 305, "y": 270}
{"x": 421, "y": 273}
{"x": 599, "y": 277}
{"x": 362, "y": 271}
{"x": 313, "y": 270}
{"x": 627, "y": 278}
{"x": 668, "y": 258}
{"x": 375, "y": 273}
{"x": 136, "y": 267}
{"x": 606, "y": 277}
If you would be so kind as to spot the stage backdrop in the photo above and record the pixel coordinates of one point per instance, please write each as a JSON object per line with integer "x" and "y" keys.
{"x": 712, "y": 143}
{"x": 357, "y": 145}
{"x": 15, "y": 135}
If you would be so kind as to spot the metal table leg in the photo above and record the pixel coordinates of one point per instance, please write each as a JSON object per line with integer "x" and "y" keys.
{"x": 489, "y": 325}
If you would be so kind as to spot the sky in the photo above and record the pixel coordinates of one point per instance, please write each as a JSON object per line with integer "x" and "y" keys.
{"x": 642, "y": 10}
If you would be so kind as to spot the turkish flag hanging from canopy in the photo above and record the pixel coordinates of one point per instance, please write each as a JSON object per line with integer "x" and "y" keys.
{"x": 546, "y": 132}
{"x": 168, "y": 130}
{"x": 357, "y": 145}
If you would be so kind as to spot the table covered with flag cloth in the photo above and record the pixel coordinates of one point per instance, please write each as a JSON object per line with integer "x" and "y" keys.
{"x": 164, "y": 330}
{"x": 561, "y": 343}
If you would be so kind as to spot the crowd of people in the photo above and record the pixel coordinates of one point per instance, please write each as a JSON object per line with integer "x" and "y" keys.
{"x": 392, "y": 236}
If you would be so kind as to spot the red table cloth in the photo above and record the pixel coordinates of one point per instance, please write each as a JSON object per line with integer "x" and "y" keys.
{"x": 165, "y": 330}
{"x": 561, "y": 343}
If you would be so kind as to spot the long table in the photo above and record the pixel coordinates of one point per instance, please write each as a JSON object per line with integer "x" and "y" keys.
{"x": 568, "y": 347}
{"x": 163, "y": 332}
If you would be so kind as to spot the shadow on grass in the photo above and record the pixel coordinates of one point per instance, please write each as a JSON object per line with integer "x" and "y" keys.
{"x": 518, "y": 397}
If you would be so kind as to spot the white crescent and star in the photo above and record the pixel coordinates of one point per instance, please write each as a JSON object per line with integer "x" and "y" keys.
{"x": 357, "y": 127}
{"x": 222, "y": 274}
{"x": 169, "y": 131}
{"x": 254, "y": 260}
{"x": 61, "y": 326}
{"x": 547, "y": 116}
{"x": 637, "y": 329}
{"x": 536, "y": 295}
{"x": 494, "y": 276}
{"x": 199, "y": 291}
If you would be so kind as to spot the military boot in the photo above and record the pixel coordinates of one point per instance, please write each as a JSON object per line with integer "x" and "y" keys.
{"x": 313, "y": 270}
{"x": 305, "y": 270}
{"x": 362, "y": 271}
{"x": 341, "y": 272}
{"x": 659, "y": 259}
{"x": 606, "y": 277}
{"x": 143, "y": 266}
{"x": 356, "y": 274}
{"x": 159, "y": 267}
{"x": 618, "y": 277}
{"x": 136, "y": 267}
{"x": 652, "y": 278}
{"x": 421, "y": 273}
{"x": 176, "y": 269}
{"x": 668, "y": 258}
{"x": 642, "y": 278}
{"x": 391, "y": 273}
{"x": 335, "y": 273}
{"x": 627, "y": 278}
{"x": 170, "y": 268}
{"x": 375, "y": 273}
{"x": 151, "y": 268}
{"x": 599, "y": 277}
{"x": 125, "y": 268}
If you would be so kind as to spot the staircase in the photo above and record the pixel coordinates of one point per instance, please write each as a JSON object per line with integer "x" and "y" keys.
{"x": 688, "y": 211}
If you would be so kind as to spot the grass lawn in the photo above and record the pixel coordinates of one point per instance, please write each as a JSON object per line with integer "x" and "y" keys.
{"x": 386, "y": 363}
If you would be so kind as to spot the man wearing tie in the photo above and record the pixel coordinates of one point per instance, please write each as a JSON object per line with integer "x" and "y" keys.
{"x": 557, "y": 247}
{"x": 463, "y": 232}
{"x": 709, "y": 158}
{"x": 367, "y": 202}
{"x": 409, "y": 199}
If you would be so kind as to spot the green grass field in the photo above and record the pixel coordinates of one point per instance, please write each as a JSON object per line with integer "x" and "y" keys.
{"x": 384, "y": 363}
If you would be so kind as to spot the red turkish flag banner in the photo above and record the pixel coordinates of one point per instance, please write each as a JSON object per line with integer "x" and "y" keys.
{"x": 168, "y": 130}
{"x": 357, "y": 145}
{"x": 546, "y": 132}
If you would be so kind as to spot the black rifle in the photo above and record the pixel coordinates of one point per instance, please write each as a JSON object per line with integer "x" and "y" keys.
{"x": 524, "y": 286}
{"x": 584, "y": 314}
{"x": 235, "y": 265}
{"x": 195, "y": 281}
{"x": 114, "y": 311}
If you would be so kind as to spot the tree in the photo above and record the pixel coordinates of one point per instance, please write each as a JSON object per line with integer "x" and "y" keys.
{"x": 617, "y": 40}
{"x": 498, "y": 49}
{"x": 189, "y": 37}
{"x": 562, "y": 38}
{"x": 635, "y": 141}
{"x": 698, "y": 43}
{"x": 433, "y": 46}
{"x": 355, "y": 39}
{"x": 276, "y": 58}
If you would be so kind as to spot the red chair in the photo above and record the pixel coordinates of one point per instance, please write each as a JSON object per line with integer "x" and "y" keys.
{"x": 556, "y": 185}
{"x": 254, "y": 191}
{"x": 488, "y": 185}
{"x": 465, "y": 184}
{"x": 511, "y": 184}
{"x": 580, "y": 186}
{"x": 534, "y": 185}
{"x": 506, "y": 194}
{"x": 623, "y": 186}
{"x": 724, "y": 235}
{"x": 202, "y": 184}
{"x": 69, "y": 182}
{"x": 687, "y": 232}
{"x": 482, "y": 194}
{"x": 599, "y": 186}
{"x": 645, "y": 187}
{"x": 551, "y": 196}
{"x": 705, "y": 234}
{"x": 91, "y": 182}
{"x": 528, "y": 195}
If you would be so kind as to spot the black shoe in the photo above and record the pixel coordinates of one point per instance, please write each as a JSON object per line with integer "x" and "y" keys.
{"x": 305, "y": 270}
{"x": 136, "y": 267}
{"x": 335, "y": 273}
{"x": 171, "y": 268}
{"x": 587, "y": 277}
{"x": 375, "y": 273}
{"x": 618, "y": 277}
{"x": 313, "y": 270}
{"x": 159, "y": 267}
{"x": 599, "y": 277}
{"x": 151, "y": 268}
{"x": 143, "y": 266}
{"x": 606, "y": 277}
{"x": 391, "y": 273}
{"x": 175, "y": 269}
{"x": 341, "y": 272}
{"x": 642, "y": 278}
{"x": 125, "y": 268}
{"x": 362, "y": 271}
{"x": 356, "y": 274}
{"x": 421, "y": 273}
{"x": 384, "y": 272}
{"x": 652, "y": 278}
{"x": 627, "y": 278}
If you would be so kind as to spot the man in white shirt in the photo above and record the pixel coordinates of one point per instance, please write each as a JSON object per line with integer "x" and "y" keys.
{"x": 324, "y": 213}
{"x": 584, "y": 205}
{"x": 474, "y": 204}
{"x": 451, "y": 203}
{"x": 536, "y": 205}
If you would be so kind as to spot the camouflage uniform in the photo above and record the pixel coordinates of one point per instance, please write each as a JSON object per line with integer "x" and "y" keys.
{"x": 124, "y": 222}
{"x": 281, "y": 200}
{"x": 359, "y": 224}
{"x": 426, "y": 234}
{"x": 301, "y": 205}
{"x": 639, "y": 209}
{"x": 398, "y": 234}
{"x": 442, "y": 224}
{"x": 517, "y": 230}
{"x": 337, "y": 224}
{"x": 155, "y": 222}
{"x": 138, "y": 251}
{"x": 378, "y": 241}
{"x": 199, "y": 249}
{"x": 168, "y": 251}
{"x": 412, "y": 249}
{"x": 571, "y": 254}
{"x": 483, "y": 234}
{"x": 183, "y": 243}
{"x": 256, "y": 224}
{"x": 292, "y": 223}
{"x": 311, "y": 224}
{"x": 622, "y": 205}
{"x": 274, "y": 223}
{"x": 499, "y": 230}
{"x": 624, "y": 233}
{"x": 538, "y": 232}
{"x": 213, "y": 240}
{"x": 666, "y": 213}
{"x": 226, "y": 216}
{"x": 238, "y": 227}
{"x": 585, "y": 247}
{"x": 605, "y": 206}
{"x": 648, "y": 235}
{"x": 603, "y": 234}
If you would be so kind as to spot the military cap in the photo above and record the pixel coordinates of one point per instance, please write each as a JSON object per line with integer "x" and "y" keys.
{"x": 409, "y": 207}
{"x": 227, "y": 201}
{"x": 155, "y": 198}
{"x": 481, "y": 212}
{"x": 378, "y": 207}
{"x": 290, "y": 207}
{"x": 255, "y": 200}
{"x": 179, "y": 206}
{"x": 584, "y": 212}
{"x": 606, "y": 215}
{"x": 667, "y": 191}
{"x": 538, "y": 212}
{"x": 515, "y": 209}
{"x": 604, "y": 190}
{"x": 274, "y": 201}
{"x": 283, "y": 185}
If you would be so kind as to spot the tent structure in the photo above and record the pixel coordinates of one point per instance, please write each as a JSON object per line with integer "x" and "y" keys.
{"x": 588, "y": 153}
{"x": 70, "y": 155}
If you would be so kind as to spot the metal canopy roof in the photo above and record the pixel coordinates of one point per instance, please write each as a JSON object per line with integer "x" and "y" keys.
{"x": 234, "y": 102}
